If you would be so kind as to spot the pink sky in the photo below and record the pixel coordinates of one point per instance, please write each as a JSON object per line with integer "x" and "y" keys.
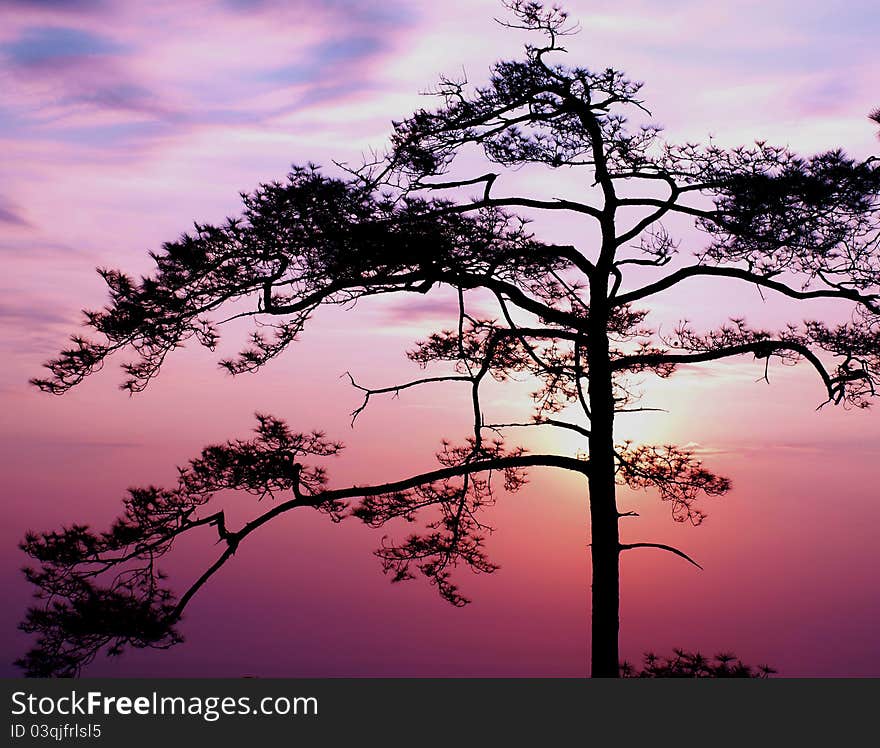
{"x": 122, "y": 123}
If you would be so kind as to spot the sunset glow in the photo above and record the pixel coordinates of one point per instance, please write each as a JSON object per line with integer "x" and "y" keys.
{"x": 122, "y": 123}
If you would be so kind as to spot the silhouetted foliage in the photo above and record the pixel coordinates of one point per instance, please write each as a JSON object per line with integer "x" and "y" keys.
{"x": 683, "y": 664}
{"x": 568, "y": 316}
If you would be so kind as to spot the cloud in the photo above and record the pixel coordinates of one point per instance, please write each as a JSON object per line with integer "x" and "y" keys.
{"x": 425, "y": 309}
{"x": 66, "y": 6}
{"x": 10, "y": 214}
{"x": 39, "y": 250}
{"x": 328, "y": 56}
{"x": 55, "y": 441}
{"x": 332, "y": 69}
{"x": 112, "y": 81}
{"x": 390, "y": 13}
{"x": 66, "y": 81}
{"x": 31, "y": 327}
{"x": 706, "y": 449}
{"x": 53, "y": 45}
{"x": 121, "y": 96}
{"x": 50, "y": 4}
{"x": 31, "y": 314}
{"x": 439, "y": 310}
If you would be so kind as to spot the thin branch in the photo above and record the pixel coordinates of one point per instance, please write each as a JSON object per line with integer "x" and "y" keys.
{"x": 396, "y": 388}
{"x": 515, "y": 296}
{"x": 663, "y": 207}
{"x": 546, "y": 422}
{"x": 711, "y": 215}
{"x": 662, "y": 547}
{"x": 641, "y": 410}
{"x": 578, "y": 375}
{"x": 521, "y": 202}
{"x": 694, "y": 271}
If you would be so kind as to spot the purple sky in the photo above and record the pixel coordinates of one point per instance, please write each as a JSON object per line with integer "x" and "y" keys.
{"x": 121, "y": 123}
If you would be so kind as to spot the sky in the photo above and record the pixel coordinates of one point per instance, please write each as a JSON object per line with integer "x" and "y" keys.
{"x": 122, "y": 123}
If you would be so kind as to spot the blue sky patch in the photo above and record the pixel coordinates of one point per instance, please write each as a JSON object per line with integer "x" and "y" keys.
{"x": 42, "y": 44}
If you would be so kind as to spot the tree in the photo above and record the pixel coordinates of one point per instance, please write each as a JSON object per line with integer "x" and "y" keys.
{"x": 567, "y": 315}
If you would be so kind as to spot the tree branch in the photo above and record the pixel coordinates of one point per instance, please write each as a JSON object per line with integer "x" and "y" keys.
{"x": 369, "y": 391}
{"x": 695, "y": 271}
{"x": 710, "y": 215}
{"x": 760, "y": 348}
{"x": 333, "y": 495}
{"x": 546, "y": 422}
{"x": 662, "y": 547}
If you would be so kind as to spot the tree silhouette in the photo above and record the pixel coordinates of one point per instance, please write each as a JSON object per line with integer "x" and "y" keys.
{"x": 569, "y": 316}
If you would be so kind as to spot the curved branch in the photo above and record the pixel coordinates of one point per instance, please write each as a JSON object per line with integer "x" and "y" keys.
{"x": 515, "y": 296}
{"x": 522, "y": 333}
{"x": 479, "y": 466}
{"x": 588, "y": 119}
{"x": 202, "y": 580}
{"x": 709, "y": 215}
{"x": 578, "y": 375}
{"x": 694, "y": 271}
{"x": 760, "y": 348}
{"x": 498, "y": 463}
{"x": 662, "y": 209}
{"x": 662, "y": 547}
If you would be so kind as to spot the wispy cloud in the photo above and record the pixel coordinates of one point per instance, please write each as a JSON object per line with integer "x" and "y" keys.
{"x": 48, "y": 46}
{"x": 111, "y": 79}
{"x": 32, "y": 313}
{"x": 10, "y": 214}
{"x": 66, "y": 6}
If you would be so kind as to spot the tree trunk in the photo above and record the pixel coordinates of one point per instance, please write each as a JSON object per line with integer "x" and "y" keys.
{"x": 604, "y": 516}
